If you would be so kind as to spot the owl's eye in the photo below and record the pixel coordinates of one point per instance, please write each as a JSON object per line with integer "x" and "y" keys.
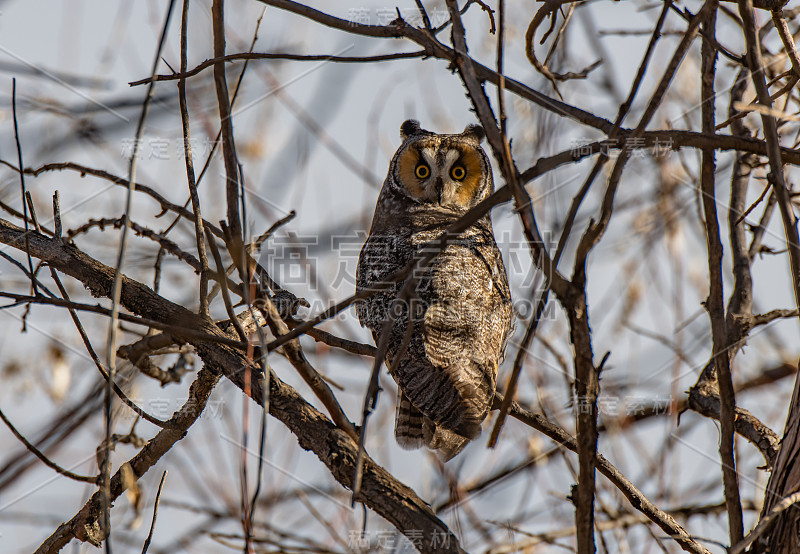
{"x": 422, "y": 171}
{"x": 457, "y": 172}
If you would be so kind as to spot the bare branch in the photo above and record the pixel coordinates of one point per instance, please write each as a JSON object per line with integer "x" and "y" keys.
{"x": 380, "y": 491}
{"x": 636, "y": 498}
{"x": 45, "y": 460}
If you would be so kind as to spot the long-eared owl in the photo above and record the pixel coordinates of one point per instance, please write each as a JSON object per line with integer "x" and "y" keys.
{"x": 460, "y": 307}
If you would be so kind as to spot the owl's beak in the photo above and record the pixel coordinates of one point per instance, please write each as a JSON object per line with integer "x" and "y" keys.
{"x": 439, "y": 190}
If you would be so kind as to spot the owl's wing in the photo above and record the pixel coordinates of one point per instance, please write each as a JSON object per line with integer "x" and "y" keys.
{"x": 380, "y": 257}
{"x": 450, "y": 371}
{"x": 502, "y": 310}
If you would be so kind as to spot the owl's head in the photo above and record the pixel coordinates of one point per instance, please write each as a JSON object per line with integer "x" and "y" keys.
{"x": 450, "y": 171}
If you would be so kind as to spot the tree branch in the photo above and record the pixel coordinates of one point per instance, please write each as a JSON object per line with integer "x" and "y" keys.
{"x": 380, "y": 491}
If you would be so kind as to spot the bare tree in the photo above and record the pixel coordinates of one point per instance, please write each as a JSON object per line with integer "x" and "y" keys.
{"x": 644, "y": 203}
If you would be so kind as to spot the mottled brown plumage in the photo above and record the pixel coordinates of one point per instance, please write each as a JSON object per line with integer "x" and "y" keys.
{"x": 460, "y": 310}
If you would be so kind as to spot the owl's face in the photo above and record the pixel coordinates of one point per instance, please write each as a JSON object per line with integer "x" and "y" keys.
{"x": 448, "y": 171}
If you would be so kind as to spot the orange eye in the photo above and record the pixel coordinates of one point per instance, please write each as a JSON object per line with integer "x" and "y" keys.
{"x": 422, "y": 171}
{"x": 458, "y": 173}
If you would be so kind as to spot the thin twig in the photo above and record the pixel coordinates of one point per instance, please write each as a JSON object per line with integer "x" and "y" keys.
{"x": 634, "y": 496}
{"x": 223, "y": 282}
{"x": 45, "y": 460}
{"x": 185, "y": 74}
{"x": 777, "y": 180}
{"x": 226, "y": 124}
{"x": 96, "y": 359}
{"x": 715, "y": 302}
{"x": 199, "y": 232}
{"x": 147, "y": 322}
{"x": 155, "y": 513}
{"x": 22, "y": 189}
{"x": 117, "y": 284}
{"x": 765, "y": 523}
{"x": 530, "y": 51}
{"x": 403, "y": 298}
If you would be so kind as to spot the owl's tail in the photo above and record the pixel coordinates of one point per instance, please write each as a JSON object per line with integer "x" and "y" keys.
{"x": 413, "y": 430}
{"x": 408, "y": 424}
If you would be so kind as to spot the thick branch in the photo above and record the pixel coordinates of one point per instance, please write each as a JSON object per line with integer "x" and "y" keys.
{"x": 380, "y": 491}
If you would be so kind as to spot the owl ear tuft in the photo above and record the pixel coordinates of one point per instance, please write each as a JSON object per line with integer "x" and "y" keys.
{"x": 475, "y": 131}
{"x": 408, "y": 128}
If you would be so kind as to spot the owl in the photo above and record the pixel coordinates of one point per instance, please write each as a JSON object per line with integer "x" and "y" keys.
{"x": 449, "y": 333}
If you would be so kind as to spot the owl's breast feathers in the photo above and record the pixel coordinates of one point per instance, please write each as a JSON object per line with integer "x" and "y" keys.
{"x": 461, "y": 314}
